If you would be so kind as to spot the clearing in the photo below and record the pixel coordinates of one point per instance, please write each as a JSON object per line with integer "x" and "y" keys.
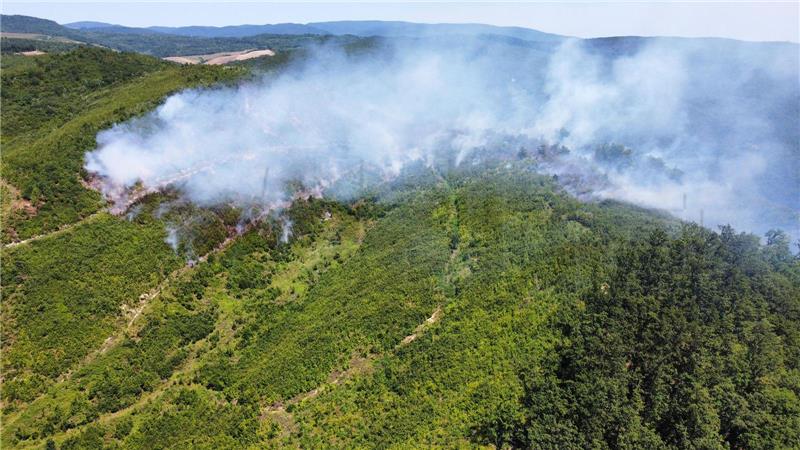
{"x": 220, "y": 58}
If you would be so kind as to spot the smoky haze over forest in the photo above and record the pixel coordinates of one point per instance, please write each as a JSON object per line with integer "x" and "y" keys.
{"x": 678, "y": 124}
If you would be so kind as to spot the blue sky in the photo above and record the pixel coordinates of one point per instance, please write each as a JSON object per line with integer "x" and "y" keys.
{"x": 756, "y": 21}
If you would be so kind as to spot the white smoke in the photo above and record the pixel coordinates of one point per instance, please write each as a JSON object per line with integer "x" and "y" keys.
{"x": 677, "y": 104}
{"x": 286, "y": 231}
{"x": 172, "y": 238}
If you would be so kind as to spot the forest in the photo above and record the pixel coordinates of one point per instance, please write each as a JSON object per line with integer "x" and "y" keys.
{"x": 472, "y": 306}
{"x": 483, "y": 308}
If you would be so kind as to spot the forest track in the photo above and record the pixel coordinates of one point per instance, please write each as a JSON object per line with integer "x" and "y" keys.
{"x": 357, "y": 364}
{"x": 61, "y": 230}
{"x": 278, "y": 412}
{"x": 111, "y": 341}
{"x": 132, "y": 314}
{"x": 144, "y": 301}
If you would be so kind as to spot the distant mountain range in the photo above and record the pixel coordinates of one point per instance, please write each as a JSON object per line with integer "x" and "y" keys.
{"x": 356, "y": 28}
{"x": 201, "y": 31}
{"x": 195, "y": 40}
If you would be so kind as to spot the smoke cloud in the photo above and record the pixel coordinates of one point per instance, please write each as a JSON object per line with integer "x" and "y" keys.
{"x": 692, "y": 126}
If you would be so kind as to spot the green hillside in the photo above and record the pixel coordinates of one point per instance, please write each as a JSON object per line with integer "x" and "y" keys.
{"x": 485, "y": 308}
{"x": 35, "y": 25}
{"x": 480, "y": 307}
{"x": 53, "y": 106}
{"x": 10, "y": 46}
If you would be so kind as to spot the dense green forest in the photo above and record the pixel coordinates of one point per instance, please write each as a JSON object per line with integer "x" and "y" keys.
{"x": 482, "y": 308}
{"x": 471, "y": 308}
{"x": 17, "y": 45}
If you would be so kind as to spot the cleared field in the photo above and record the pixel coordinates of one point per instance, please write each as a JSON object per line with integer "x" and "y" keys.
{"x": 32, "y": 53}
{"x": 220, "y": 58}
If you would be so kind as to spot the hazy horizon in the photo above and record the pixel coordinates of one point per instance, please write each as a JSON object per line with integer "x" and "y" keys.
{"x": 750, "y": 21}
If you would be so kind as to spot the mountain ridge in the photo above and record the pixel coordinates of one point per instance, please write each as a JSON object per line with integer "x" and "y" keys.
{"x": 355, "y": 27}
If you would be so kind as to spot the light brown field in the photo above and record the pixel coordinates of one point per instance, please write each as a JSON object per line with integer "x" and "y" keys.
{"x": 220, "y": 58}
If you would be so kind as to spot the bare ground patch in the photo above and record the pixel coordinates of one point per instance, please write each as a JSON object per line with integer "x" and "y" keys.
{"x": 220, "y": 58}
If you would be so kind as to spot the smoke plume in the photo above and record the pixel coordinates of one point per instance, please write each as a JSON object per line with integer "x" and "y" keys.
{"x": 697, "y": 127}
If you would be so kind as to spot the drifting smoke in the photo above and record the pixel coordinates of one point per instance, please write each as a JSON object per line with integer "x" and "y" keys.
{"x": 683, "y": 125}
{"x": 286, "y": 231}
{"x": 172, "y": 238}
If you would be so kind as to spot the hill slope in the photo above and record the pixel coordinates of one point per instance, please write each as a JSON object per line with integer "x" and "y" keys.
{"x": 52, "y": 110}
{"x": 462, "y": 312}
{"x": 27, "y": 24}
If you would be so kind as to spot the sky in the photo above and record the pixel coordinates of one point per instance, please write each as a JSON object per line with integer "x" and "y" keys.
{"x": 752, "y": 21}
